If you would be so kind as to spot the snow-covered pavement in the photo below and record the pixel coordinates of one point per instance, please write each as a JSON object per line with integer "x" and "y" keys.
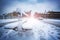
{"x": 7, "y": 20}
{"x": 55, "y": 22}
{"x": 41, "y": 30}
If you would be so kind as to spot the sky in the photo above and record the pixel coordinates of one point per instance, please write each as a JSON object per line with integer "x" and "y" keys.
{"x": 7, "y": 6}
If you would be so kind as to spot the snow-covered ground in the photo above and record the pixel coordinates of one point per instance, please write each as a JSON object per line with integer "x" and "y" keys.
{"x": 7, "y": 20}
{"x": 41, "y": 30}
{"x": 53, "y": 21}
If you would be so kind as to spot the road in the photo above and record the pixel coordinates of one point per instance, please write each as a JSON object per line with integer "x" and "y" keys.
{"x": 46, "y": 29}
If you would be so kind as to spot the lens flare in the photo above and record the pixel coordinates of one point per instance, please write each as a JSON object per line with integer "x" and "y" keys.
{"x": 30, "y": 22}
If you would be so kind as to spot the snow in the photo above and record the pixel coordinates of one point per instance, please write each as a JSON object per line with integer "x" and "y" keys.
{"x": 40, "y": 30}
{"x": 7, "y": 20}
{"x": 52, "y": 21}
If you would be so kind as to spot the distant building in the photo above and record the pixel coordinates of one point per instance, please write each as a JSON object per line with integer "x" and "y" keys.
{"x": 53, "y": 14}
{"x": 15, "y": 14}
{"x": 49, "y": 14}
{"x": 12, "y": 15}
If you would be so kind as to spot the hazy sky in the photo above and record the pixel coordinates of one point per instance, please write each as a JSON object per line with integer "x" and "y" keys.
{"x": 7, "y": 6}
